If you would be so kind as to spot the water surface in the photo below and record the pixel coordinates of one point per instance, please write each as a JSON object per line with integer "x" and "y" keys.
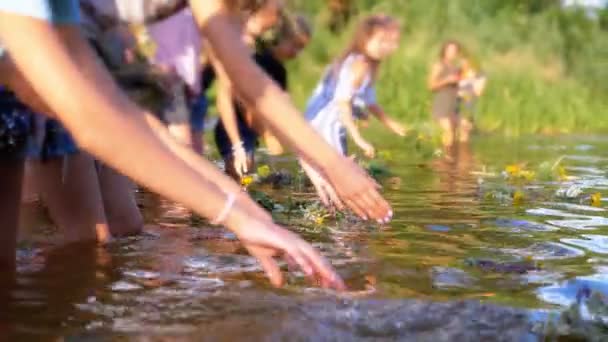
{"x": 457, "y": 235}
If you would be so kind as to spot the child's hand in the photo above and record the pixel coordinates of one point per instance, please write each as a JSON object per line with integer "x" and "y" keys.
{"x": 358, "y": 191}
{"x": 327, "y": 194}
{"x": 368, "y": 149}
{"x": 453, "y": 79}
{"x": 265, "y": 240}
{"x": 239, "y": 156}
{"x": 397, "y": 128}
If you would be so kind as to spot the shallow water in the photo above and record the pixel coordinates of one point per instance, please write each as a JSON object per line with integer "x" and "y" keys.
{"x": 450, "y": 241}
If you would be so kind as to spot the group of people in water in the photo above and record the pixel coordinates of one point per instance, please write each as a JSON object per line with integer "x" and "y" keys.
{"x": 97, "y": 94}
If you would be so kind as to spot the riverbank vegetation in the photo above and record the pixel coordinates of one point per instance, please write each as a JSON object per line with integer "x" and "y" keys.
{"x": 547, "y": 65}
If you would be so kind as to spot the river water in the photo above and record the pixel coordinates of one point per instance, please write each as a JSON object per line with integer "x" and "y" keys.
{"x": 472, "y": 254}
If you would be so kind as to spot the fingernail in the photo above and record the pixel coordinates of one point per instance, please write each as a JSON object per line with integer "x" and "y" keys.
{"x": 390, "y": 213}
{"x": 364, "y": 218}
{"x": 380, "y": 221}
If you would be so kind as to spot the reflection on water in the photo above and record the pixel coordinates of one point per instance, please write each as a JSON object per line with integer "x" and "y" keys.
{"x": 448, "y": 243}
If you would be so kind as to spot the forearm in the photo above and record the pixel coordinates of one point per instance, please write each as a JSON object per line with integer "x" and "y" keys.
{"x": 381, "y": 115}
{"x": 346, "y": 117}
{"x": 256, "y": 89}
{"x": 437, "y": 84}
{"x": 226, "y": 108}
{"x": 205, "y": 168}
{"x": 102, "y": 119}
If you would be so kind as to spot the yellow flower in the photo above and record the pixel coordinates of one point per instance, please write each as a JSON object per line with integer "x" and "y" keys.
{"x": 246, "y": 181}
{"x": 513, "y": 170}
{"x": 518, "y": 197}
{"x": 596, "y": 199}
{"x": 319, "y": 220}
{"x": 264, "y": 171}
{"x": 528, "y": 175}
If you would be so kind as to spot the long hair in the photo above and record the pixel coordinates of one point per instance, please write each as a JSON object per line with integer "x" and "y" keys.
{"x": 364, "y": 32}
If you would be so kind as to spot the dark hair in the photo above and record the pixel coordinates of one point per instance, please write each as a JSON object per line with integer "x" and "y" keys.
{"x": 446, "y": 45}
{"x": 291, "y": 27}
{"x": 246, "y": 6}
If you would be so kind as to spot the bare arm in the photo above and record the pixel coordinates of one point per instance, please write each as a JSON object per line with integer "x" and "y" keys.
{"x": 386, "y": 120}
{"x": 435, "y": 83}
{"x": 125, "y": 143}
{"x": 352, "y": 184}
{"x": 359, "y": 69}
{"x": 108, "y": 125}
{"x": 225, "y": 100}
{"x": 346, "y": 117}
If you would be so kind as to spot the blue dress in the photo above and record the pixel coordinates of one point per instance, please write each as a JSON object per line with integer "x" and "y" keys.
{"x": 336, "y": 87}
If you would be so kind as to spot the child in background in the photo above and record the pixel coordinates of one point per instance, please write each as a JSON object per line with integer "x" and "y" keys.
{"x": 443, "y": 82}
{"x": 291, "y": 37}
{"x": 80, "y": 92}
{"x": 235, "y": 141}
{"x": 349, "y": 86}
{"x": 470, "y": 88}
{"x": 348, "y": 90}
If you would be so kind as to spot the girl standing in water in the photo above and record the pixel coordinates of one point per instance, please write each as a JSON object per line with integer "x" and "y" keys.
{"x": 292, "y": 37}
{"x": 470, "y": 88}
{"x": 347, "y": 90}
{"x": 443, "y": 82}
{"x": 67, "y": 82}
{"x": 235, "y": 142}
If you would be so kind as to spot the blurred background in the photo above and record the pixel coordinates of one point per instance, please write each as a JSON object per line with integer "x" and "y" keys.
{"x": 546, "y": 60}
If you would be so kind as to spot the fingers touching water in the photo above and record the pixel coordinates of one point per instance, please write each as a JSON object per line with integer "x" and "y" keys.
{"x": 357, "y": 191}
{"x": 266, "y": 241}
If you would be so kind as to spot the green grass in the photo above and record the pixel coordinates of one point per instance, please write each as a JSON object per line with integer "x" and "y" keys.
{"x": 548, "y": 68}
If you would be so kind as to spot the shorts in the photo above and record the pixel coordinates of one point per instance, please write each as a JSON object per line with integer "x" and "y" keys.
{"x": 55, "y": 143}
{"x": 198, "y": 112}
{"x": 16, "y": 126}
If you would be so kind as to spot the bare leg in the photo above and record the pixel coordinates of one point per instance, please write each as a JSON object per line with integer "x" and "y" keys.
{"x": 11, "y": 178}
{"x": 73, "y": 197}
{"x": 122, "y": 213}
{"x": 464, "y": 130}
{"x": 447, "y": 132}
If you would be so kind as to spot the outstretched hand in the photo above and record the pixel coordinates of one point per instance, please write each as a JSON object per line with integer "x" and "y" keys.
{"x": 358, "y": 191}
{"x": 265, "y": 241}
{"x": 325, "y": 191}
{"x": 240, "y": 161}
{"x": 397, "y": 128}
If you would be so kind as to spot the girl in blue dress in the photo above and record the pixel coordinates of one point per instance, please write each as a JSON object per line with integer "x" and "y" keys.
{"x": 347, "y": 91}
